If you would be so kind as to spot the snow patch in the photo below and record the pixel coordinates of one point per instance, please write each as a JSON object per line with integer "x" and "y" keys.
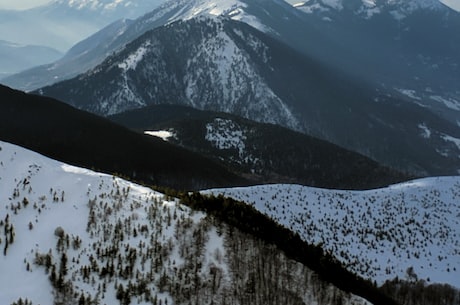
{"x": 426, "y": 132}
{"x": 116, "y": 236}
{"x": 226, "y": 134}
{"x": 130, "y": 63}
{"x": 448, "y": 102}
{"x": 163, "y": 134}
{"x": 454, "y": 140}
{"x": 234, "y": 9}
{"x": 335, "y": 4}
{"x": 409, "y": 93}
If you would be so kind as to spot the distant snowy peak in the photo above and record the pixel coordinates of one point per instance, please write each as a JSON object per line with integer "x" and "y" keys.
{"x": 399, "y": 9}
{"x": 188, "y": 9}
{"x": 113, "y": 9}
{"x": 97, "y": 4}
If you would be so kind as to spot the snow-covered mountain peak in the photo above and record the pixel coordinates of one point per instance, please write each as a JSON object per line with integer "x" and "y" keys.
{"x": 98, "y": 4}
{"x": 224, "y": 56}
{"x": 188, "y": 9}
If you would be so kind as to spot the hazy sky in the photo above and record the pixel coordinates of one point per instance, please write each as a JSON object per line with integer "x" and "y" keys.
{"x": 22, "y": 4}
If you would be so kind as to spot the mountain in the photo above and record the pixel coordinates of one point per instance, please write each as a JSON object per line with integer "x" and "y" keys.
{"x": 265, "y": 152}
{"x": 93, "y": 50}
{"x": 407, "y": 231}
{"x": 62, "y": 23}
{"x": 74, "y": 236}
{"x": 218, "y": 64}
{"x": 83, "y": 56}
{"x": 80, "y": 138}
{"x": 408, "y": 49}
{"x": 15, "y": 58}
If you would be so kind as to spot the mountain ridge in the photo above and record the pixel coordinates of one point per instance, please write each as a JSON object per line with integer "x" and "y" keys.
{"x": 380, "y": 233}
{"x": 75, "y": 20}
{"x": 269, "y": 152}
{"x": 223, "y": 65}
{"x": 62, "y": 132}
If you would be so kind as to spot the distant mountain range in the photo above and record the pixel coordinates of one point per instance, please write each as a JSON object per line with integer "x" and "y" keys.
{"x": 219, "y": 64}
{"x": 62, "y": 23}
{"x": 15, "y": 57}
{"x": 408, "y": 49}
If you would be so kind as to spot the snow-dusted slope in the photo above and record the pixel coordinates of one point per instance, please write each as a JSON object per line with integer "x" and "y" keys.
{"x": 73, "y": 236}
{"x": 207, "y": 63}
{"x": 378, "y": 234}
{"x": 399, "y": 9}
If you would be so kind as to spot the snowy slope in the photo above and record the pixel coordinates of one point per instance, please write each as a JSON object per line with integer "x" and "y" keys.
{"x": 71, "y": 235}
{"x": 399, "y": 9}
{"x": 206, "y": 63}
{"x": 188, "y": 9}
{"x": 379, "y": 233}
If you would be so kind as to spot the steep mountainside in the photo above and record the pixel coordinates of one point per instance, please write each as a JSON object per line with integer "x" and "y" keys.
{"x": 275, "y": 17}
{"x": 409, "y": 49}
{"x": 64, "y": 133}
{"x": 265, "y": 152}
{"x": 408, "y": 230}
{"x": 223, "y": 65}
{"x": 73, "y": 236}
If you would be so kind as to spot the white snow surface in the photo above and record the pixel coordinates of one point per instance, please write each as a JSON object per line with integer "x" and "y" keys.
{"x": 189, "y": 9}
{"x": 377, "y": 234}
{"x": 162, "y": 134}
{"x": 59, "y": 195}
{"x": 225, "y": 134}
{"x": 97, "y": 214}
{"x": 130, "y": 63}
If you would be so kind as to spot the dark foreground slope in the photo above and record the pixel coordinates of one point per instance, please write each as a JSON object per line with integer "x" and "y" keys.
{"x": 265, "y": 152}
{"x": 64, "y": 133}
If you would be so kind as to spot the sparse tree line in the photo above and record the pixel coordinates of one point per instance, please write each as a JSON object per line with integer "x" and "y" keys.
{"x": 145, "y": 249}
{"x": 131, "y": 254}
{"x": 412, "y": 236}
{"x": 419, "y": 292}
